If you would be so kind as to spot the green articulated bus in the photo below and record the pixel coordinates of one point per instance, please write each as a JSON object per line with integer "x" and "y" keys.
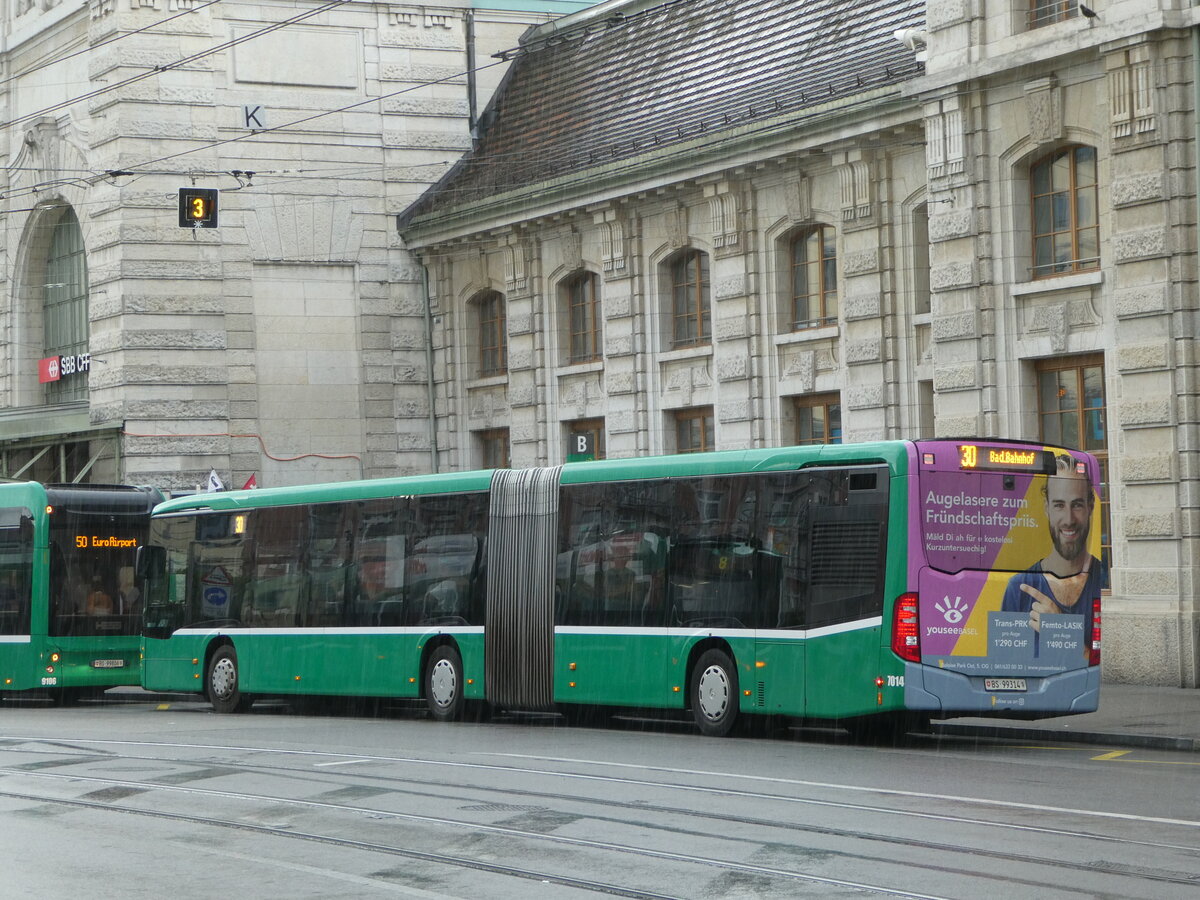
{"x": 864, "y": 584}
{"x": 70, "y": 602}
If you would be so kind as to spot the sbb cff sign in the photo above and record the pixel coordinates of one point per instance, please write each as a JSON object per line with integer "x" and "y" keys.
{"x": 55, "y": 368}
{"x": 198, "y": 207}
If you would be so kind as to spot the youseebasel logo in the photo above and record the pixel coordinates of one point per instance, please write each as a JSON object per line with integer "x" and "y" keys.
{"x": 953, "y": 611}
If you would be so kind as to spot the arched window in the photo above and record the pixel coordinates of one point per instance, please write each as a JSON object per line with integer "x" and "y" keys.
{"x": 1064, "y": 198}
{"x": 690, "y": 311}
{"x": 493, "y": 334}
{"x": 65, "y": 309}
{"x": 582, "y": 300}
{"x": 813, "y": 257}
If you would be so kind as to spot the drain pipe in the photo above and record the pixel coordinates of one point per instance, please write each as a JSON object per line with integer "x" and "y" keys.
{"x": 472, "y": 87}
{"x": 433, "y": 444}
{"x": 1192, "y": 678}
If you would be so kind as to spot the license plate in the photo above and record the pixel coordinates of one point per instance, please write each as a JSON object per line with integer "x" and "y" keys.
{"x": 108, "y": 663}
{"x": 1004, "y": 684}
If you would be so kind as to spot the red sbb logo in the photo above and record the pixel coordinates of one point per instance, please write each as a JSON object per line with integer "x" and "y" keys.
{"x": 49, "y": 369}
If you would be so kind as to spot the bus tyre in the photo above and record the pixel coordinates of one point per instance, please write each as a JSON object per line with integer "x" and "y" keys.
{"x": 444, "y": 684}
{"x": 222, "y": 682}
{"x": 714, "y": 693}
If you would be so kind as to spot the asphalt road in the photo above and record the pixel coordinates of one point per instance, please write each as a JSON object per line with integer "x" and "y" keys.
{"x": 154, "y": 799}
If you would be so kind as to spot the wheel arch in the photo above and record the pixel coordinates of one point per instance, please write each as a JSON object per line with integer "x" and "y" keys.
{"x": 697, "y": 650}
{"x": 210, "y": 649}
{"x": 432, "y": 644}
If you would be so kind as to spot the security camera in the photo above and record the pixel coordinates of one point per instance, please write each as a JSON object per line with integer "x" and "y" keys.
{"x": 912, "y": 38}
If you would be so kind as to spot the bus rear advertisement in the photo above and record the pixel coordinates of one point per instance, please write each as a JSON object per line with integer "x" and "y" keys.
{"x": 866, "y": 585}
{"x": 1010, "y": 593}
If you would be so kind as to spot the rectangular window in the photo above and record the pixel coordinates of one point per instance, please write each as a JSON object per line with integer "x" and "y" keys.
{"x": 814, "y": 278}
{"x": 1064, "y": 197}
{"x": 818, "y": 419}
{"x": 1047, "y": 12}
{"x": 694, "y": 430}
{"x": 277, "y": 587}
{"x": 689, "y": 300}
{"x": 493, "y": 448}
{"x": 1073, "y": 413}
{"x": 493, "y": 335}
{"x": 583, "y": 312}
{"x": 612, "y": 558}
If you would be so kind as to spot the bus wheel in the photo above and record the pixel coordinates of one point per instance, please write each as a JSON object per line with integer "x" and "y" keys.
{"x": 444, "y": 684}
{"x": 714, "y": 693}
{"x": 222, "y": 682}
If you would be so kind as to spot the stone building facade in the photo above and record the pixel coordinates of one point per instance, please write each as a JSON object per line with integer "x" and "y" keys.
{"x": 992, "y": 232}
{"x": 276, "y": 344}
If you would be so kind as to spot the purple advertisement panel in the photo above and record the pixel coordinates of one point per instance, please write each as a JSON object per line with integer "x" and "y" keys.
{"x": 1013, "y": 571}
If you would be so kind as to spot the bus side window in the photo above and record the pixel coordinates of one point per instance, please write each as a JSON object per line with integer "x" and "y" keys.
{"x": 783, "y": 539}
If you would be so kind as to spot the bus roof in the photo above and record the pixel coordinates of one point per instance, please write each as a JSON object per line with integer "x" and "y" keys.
{"x": 895, "y": 454}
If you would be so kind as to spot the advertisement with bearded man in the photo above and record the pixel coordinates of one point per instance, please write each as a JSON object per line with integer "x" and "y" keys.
{"x": 1014, "y": 572}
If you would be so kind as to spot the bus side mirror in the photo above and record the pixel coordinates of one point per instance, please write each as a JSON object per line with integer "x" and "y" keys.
{"x": 151, "y": 562}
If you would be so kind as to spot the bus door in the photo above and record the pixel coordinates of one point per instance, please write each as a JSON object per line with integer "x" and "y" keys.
{"x": 610, "y": 643}
{"x": 1013, "y": 581}
{"x": 844, "y": 534}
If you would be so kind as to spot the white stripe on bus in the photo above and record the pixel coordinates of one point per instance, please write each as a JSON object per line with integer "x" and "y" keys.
{"x": 762, "y": 633}
{"x": 356, "y": 629}
{"x": 14, "y": 639}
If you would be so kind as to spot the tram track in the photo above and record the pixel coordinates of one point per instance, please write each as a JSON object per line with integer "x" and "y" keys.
{"x": 439, "y": 790}
{"x": 460, "y": 861}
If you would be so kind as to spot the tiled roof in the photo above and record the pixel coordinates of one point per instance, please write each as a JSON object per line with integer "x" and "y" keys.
{"x": 630, "y": 84}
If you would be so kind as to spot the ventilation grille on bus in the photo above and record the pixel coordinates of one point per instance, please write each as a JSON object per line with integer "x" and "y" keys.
{"x": 843, "y": 551}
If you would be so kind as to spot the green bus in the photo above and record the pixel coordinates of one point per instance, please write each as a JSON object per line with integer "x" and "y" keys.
{"x": 70, "y": 601}
{"x": 861, "y": 584}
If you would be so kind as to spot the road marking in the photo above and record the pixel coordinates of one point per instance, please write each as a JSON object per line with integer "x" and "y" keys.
{"x": 341, "y": 762}
{"x": 162, "y": 707}
{"x": 1111, "y": 754}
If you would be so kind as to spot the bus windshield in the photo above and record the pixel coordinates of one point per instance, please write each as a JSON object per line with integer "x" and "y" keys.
{"x": 16, "y": 564}
{"x": 93, "y": 587}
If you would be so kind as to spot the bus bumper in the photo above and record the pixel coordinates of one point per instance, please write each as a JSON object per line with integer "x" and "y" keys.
{"x": 944, "y": 693}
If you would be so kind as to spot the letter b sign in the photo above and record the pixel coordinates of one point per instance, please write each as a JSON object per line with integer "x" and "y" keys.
{"x": 581, "y": 447}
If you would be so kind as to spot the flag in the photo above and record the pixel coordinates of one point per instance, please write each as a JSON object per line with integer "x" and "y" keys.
{"x": 214, "y": 482}
{"x": 251, "y": 483}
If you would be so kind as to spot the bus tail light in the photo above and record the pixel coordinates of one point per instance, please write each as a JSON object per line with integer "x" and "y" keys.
{"x": 906, "y": 635}
{"x": 1094, "y": 648}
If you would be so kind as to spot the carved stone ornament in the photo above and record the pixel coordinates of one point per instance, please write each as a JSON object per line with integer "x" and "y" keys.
{"x": 1044, "y": 107}
{"x": 612, "y": 246}
{"x": 676, "y": 226}
{"x": 572, "y": 249}
{"x": 724, "y": 211}
{"x": 798, "y": 198}
{"x": 855, "y": 178}
{"x": 421, "y": 18}
{"x": 515, "y": 267}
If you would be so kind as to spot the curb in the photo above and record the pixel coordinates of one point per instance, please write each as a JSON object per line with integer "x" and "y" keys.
{"x": 1112, "y": 739}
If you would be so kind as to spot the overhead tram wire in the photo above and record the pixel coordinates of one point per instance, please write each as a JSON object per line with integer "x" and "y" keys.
{"x": 150, "y": 73}
{"x": 106, "y": 42}
{"x": 329, "y": 112}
